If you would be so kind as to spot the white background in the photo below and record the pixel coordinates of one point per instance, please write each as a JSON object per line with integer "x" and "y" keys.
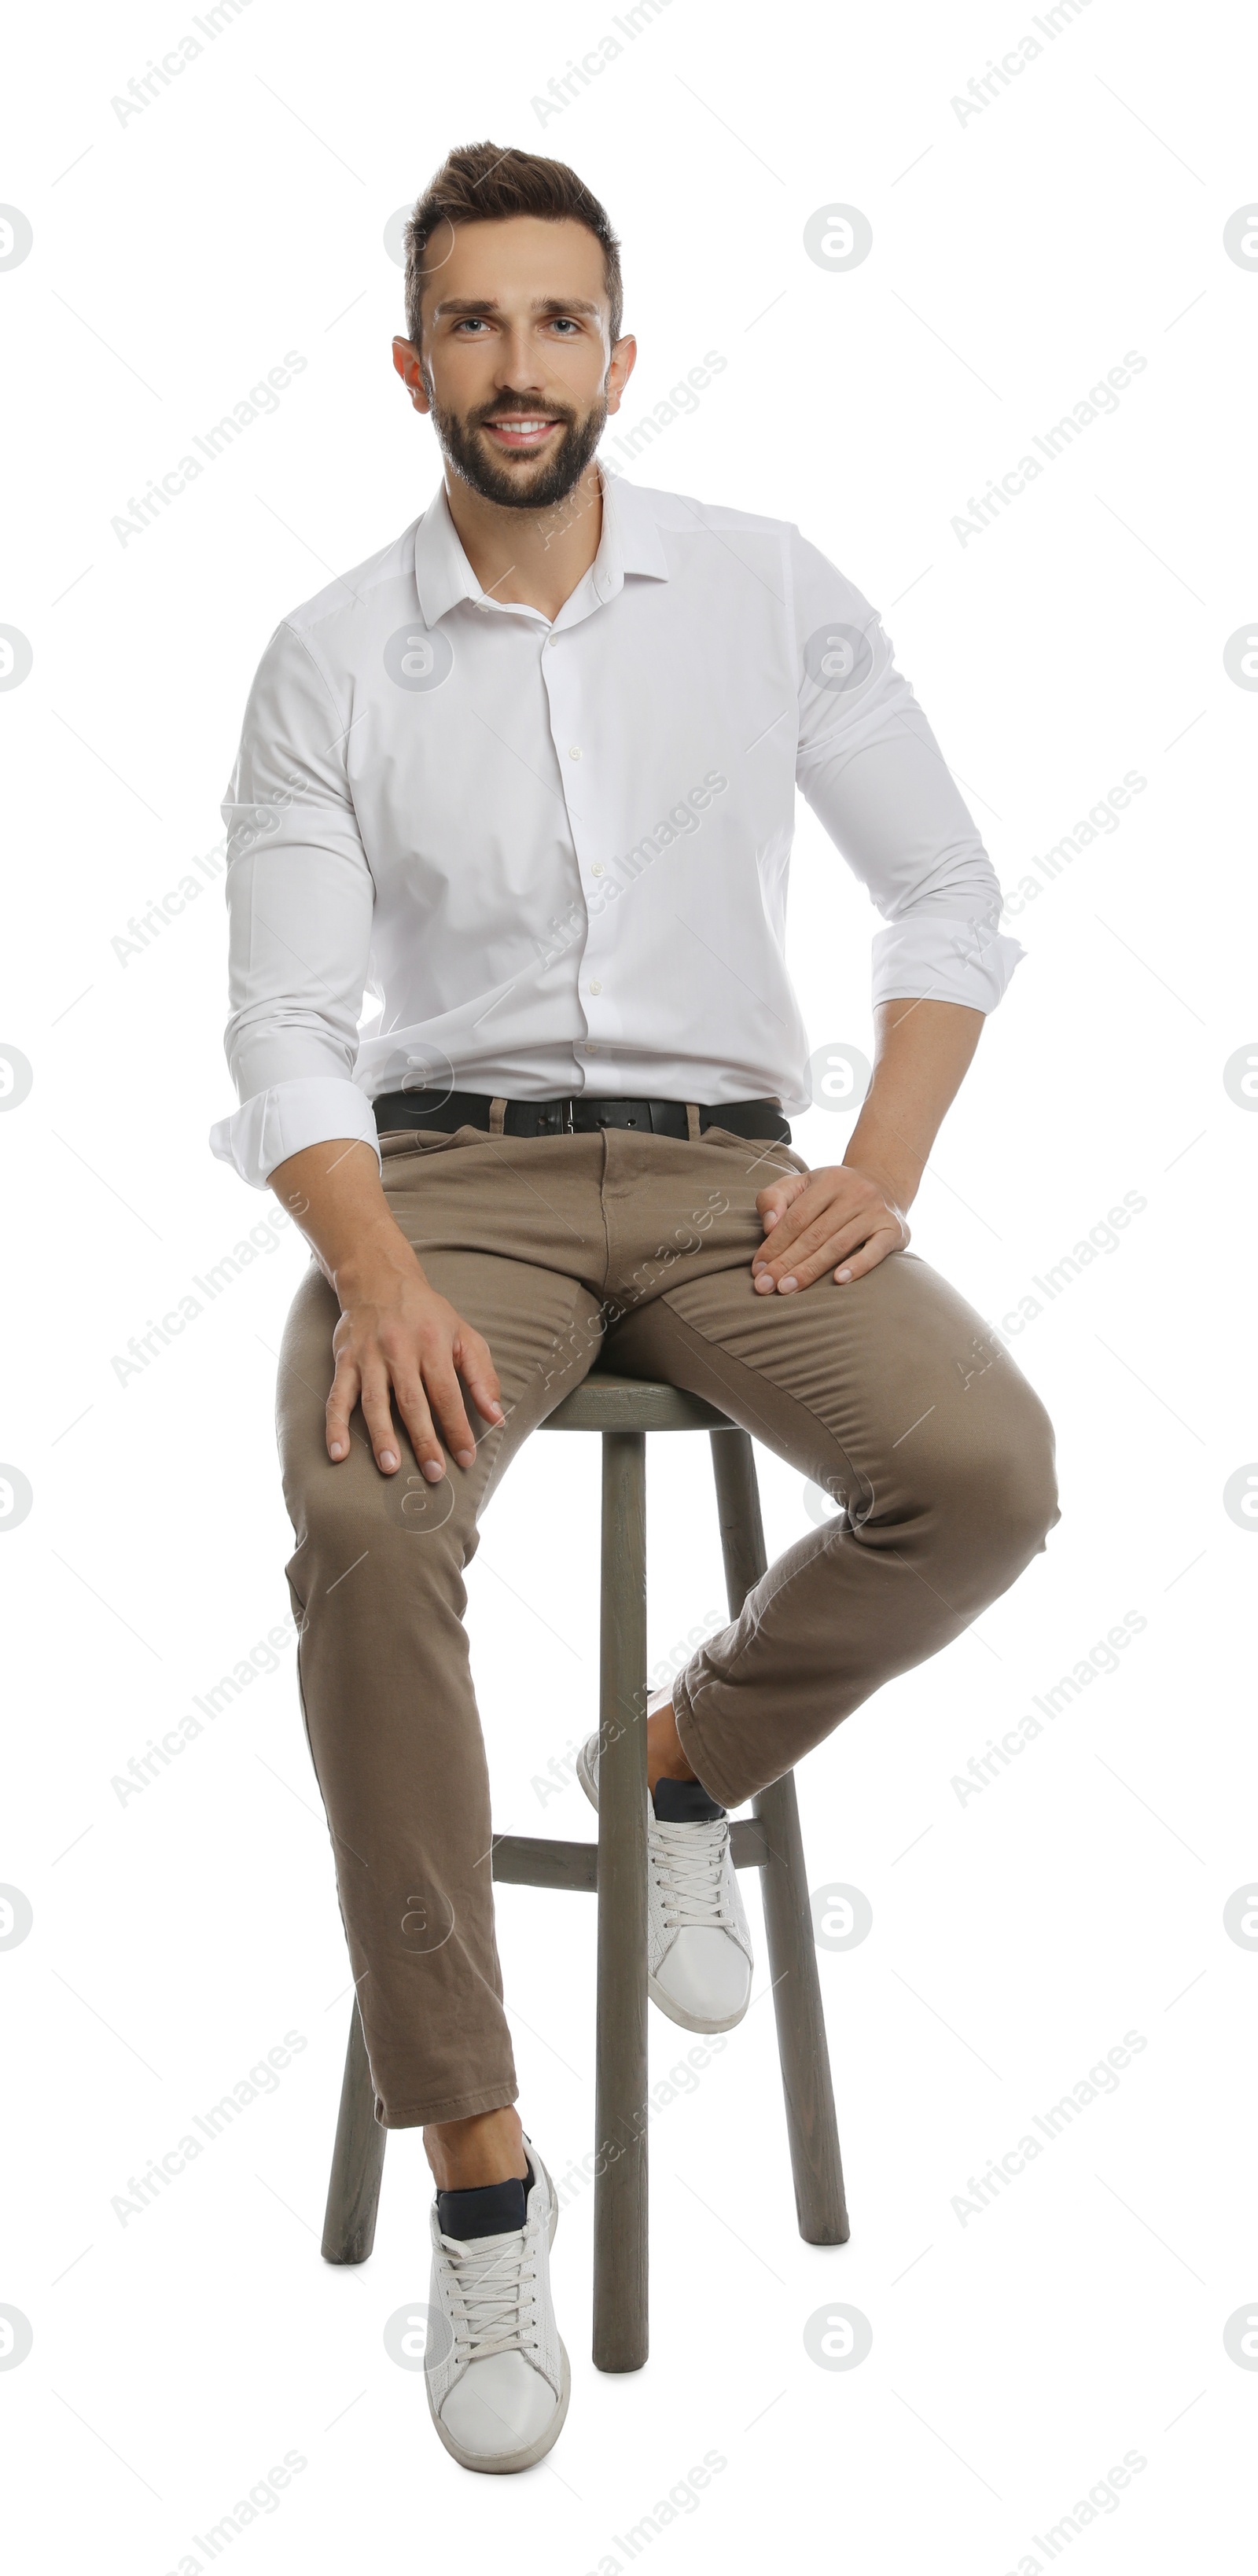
{"x": 1016, "y": 1936}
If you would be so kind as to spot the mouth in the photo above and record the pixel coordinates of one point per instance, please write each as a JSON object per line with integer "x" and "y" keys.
{"x": 523, "y": 433}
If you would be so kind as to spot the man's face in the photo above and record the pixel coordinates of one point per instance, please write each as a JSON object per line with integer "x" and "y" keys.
{"x": 516, "y": 367}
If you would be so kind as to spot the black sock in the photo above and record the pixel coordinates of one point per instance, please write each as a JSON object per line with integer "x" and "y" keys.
{"x": 684, "y": 1802}
{"x": 494, "y": 2209}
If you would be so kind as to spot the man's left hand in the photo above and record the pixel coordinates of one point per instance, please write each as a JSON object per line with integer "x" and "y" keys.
{"x": 838, "y": 1219}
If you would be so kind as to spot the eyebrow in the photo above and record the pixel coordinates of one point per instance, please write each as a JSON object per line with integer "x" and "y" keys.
{"x": 485, "y": 304}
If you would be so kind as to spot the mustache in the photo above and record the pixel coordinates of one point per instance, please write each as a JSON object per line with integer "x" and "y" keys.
{"x": 507, "y": 404}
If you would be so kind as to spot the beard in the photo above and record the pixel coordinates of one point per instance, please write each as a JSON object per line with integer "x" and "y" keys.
{"x": 510, "y": 486}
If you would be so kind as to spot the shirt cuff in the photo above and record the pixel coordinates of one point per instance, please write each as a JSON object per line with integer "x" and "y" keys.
{"x": 265, "y": 1130}
{"x": 936, "y": 960}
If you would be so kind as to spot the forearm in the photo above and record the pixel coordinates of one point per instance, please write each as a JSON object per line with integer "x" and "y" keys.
{"x": 922, "y": 1052}
{"x": 334, "y": 1193}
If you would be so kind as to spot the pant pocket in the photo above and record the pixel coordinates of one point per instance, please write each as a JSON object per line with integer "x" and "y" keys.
{"x": 753, "y": 1146}
{"x": 400, "y": 1144}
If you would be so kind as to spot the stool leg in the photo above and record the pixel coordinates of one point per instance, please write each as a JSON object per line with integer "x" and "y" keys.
{"x": 620, "y": 2186}
{"x": 816, "y": 2165}
{"x": 812, "y": 2129}
{"x": 349, "y": 2224}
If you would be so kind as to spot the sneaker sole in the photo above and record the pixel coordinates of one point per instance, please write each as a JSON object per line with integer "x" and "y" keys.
{"x": 663, "y": 2001}
{"x": 528, "y": 2458}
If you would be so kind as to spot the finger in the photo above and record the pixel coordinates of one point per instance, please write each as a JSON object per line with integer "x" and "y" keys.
{"x": 778, "y": 1195}
{"x": 832, "y": 1235}
{"x": 816, "y": 1248}
{"x": 472, "y": 1359}
{"x": 868, "y": 1258}
{"x": 408, "y": 1395}
{"x": 855, "y": 1237}
{"x": 378, "y": 1416}
{"x": 445, "y": 1395}
{"x": 810, "y": 1207}
{"x": 340, "y": 1405}
{"x": 774, "y": 1202}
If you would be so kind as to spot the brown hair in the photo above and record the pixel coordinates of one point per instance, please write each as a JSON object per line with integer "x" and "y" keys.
{"x": 480, "y": 183}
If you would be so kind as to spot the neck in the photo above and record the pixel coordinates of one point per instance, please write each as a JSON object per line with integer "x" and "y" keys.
{"x": 534, "y": 556}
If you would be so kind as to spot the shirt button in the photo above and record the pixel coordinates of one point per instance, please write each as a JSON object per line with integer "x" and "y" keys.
{"x": 594, "y": 988}
{"x": 573, "y": 751}
{"x": 591, "y": 1050}
{"x": 598, "y": 869}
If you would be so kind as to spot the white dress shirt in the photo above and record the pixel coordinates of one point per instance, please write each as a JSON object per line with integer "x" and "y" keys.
{"x": 551, "y": 857}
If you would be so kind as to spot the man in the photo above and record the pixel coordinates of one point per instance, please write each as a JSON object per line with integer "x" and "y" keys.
{"x": 526, "y": 778}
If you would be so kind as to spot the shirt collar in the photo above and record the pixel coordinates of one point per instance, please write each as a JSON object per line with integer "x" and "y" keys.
{"x": 630, "y": 543}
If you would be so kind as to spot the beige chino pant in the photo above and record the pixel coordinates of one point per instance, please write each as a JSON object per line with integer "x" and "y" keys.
{"x": 887, "y": 1391}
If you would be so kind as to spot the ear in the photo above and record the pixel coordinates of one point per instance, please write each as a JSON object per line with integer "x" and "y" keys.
{"x": 406, "y": 359}
{"x": 620, "y": 369}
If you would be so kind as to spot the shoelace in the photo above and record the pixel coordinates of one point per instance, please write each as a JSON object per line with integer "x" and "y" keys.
{"x": 689, "y": 1862}
{"x": 496, "y": 2283}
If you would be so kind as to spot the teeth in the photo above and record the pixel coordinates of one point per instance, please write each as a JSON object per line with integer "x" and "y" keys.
{"x": 521, "y": 428}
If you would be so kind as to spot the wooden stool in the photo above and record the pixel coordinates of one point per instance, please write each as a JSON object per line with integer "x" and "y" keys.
{"x": 623, "y": 1410}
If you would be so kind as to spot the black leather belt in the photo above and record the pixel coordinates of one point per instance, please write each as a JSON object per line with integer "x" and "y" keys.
{"x": 451, "y": 1109}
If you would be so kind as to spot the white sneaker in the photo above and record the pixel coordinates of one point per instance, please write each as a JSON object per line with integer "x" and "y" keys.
{"x": 498, "y": 2380}
{"x": 699, "y": 1956}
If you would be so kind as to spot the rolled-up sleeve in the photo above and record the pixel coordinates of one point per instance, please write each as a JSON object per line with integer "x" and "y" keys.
{"x": 300, "y": 899}
{"x": 870, "y": 768}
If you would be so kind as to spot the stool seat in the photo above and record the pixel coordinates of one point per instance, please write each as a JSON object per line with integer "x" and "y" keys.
{"x": 606, "y": 1402}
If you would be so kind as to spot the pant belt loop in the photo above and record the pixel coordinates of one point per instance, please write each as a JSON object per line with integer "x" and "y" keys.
{"x": 497, "y": 1112}
{"x": 693, "y": 1129}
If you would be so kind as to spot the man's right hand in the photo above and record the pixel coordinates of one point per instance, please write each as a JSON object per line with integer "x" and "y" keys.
{"x": 398, "y": 1340}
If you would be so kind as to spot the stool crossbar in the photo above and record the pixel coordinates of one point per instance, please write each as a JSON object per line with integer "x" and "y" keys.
{"x": 622, "y": 1411}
